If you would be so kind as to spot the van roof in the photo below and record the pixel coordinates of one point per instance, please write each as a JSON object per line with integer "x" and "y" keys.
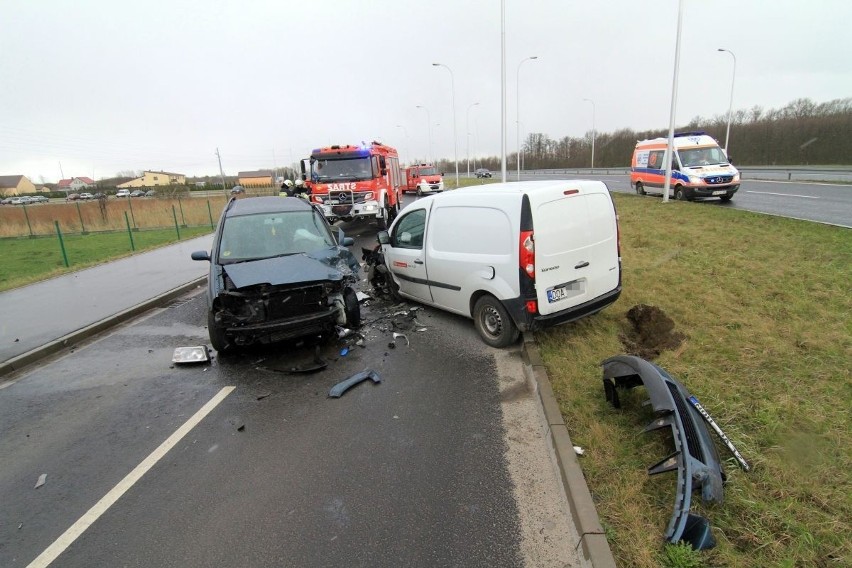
{"x": 583, "y": 186}
{"x": 680, "y": 140}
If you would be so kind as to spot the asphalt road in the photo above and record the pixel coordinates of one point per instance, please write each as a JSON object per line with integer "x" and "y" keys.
{"x": 441, "y": 464}
{"x": 810, "y": 201}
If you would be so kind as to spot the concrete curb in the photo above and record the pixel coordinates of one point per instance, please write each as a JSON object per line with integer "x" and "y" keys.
{"x": 592, "y": 537}
{"x": 24, "y": 359}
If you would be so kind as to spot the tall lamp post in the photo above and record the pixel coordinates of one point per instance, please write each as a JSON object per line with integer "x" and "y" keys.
{"x": 429, "y": 131}
{"x": 670, "y": 143}
{"x": 467, "y": 130}
{"x": 593, "y": 131}
{"x": 455, "y": 138}
{"x": 731, "y": 103}
{"x": 518, "y": 116}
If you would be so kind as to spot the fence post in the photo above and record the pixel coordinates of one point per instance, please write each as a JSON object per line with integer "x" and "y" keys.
{"x": 210, "y": 213}
{"x": 132, "y": 216}
{"x": 174, "y": 214}
{"x": 80, "y": 215}
{"x": 182, "y": 218}
{"x": 27, "y": 215}
{"x": 129, "y": 232}
{"x": 61, "y": 244}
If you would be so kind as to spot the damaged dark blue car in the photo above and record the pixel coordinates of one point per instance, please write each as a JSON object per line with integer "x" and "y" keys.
{"x": 277, "y": 272}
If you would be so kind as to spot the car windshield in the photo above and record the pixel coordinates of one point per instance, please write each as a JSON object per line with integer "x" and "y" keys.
{"x": 266, "y": 235}
{"x": 706, "y": 156}
{"x": 350, "y": 169}
{"x": 428, "y": 172}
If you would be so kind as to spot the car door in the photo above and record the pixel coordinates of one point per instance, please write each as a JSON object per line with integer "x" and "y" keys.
{"x": 405, "y": 255}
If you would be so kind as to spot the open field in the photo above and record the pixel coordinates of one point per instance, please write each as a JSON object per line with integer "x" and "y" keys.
{"x": 764, "y": 303}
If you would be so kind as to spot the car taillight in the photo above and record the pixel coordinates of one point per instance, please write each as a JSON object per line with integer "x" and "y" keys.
{"x": 532, "y": 306}
{"x": 526, "y": 254}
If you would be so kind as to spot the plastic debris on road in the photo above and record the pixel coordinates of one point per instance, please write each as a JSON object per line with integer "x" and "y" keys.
{"x": 344, "y": 385}
{"x": 42, "y": 479}
{"x": 402, "y": 335}
{"x": 194, "y": 354}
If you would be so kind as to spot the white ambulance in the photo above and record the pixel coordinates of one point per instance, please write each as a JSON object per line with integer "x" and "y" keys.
{"x": 700, "y": 168}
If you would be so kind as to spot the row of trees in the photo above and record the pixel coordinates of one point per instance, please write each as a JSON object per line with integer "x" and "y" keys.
{"x": 800, "y": 133}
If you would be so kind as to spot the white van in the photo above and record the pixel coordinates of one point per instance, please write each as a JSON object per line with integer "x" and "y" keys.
{"x": 700, "y": 169}
{"x": 512, "y": 256}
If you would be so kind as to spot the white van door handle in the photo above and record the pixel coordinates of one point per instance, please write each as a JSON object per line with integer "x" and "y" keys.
{"x": 418, "y": 261}
{"x": 583, "y": 264}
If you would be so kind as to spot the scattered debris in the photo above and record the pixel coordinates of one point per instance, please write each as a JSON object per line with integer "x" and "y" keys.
{"x": 579, "y": 451}
{"x": 341, "y": 387}
{"x": 262, "y": 396}
{"x": 343, "y": 332}
{"x": 41, "y": 480}
{"x": 398, "y": 335}
{"x": 241, "y": 427}
{"x": 344, "y": 352}
{"x": 362, "y": 296}
{"x": 420, "y": 329}
{"x": 20, "y": 526}
{"x": 391, "y": 345}
{"x": 195, "y": 354}
{"x": 360, "y": 343}
{"x": 725, "y": 440}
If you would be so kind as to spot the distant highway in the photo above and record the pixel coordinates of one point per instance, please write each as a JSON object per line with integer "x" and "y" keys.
{"x": 822, "y": 202}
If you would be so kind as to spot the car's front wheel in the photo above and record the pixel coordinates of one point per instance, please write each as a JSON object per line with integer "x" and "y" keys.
{"x": 352, "y": 308}
{"x": 493, "y": 322}
{"x": 218, "y": 338}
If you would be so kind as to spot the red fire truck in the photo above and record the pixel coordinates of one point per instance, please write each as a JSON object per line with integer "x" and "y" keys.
{"x": 423, "y": 178}
{"x": 355, "y": 182}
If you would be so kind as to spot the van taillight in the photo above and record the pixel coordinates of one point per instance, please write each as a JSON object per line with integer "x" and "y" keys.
{"x": 532, "y": 306}
{"x": 527, "y": 253}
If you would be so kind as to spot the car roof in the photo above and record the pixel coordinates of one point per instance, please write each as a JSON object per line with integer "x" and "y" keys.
{"x": 254, "y": 205}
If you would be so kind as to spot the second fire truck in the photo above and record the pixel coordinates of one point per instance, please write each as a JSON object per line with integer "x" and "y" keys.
{"x": 355, "y": 182}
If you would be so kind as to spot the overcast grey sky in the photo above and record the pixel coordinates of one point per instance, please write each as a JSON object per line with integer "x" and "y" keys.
{"x": 104, "y": 86}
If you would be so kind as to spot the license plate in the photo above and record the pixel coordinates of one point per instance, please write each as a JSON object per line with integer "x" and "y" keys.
{"x": 719, "y": 192}
{"x": 557, "y": 294}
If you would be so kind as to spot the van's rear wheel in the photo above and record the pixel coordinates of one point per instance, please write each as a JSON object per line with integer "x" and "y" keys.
{"x": 493, "y": 322}
{"x": 639, "y": 188}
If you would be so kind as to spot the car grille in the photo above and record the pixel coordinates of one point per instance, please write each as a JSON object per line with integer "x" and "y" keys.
{"x": 295, "y": 302}
{"x": 692, "y": 440}
{"x": 718, "y": 179}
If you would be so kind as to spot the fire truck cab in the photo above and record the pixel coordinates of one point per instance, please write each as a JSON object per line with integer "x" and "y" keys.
{"x": 423, "y": 178}
{"x": 355, "y": 182}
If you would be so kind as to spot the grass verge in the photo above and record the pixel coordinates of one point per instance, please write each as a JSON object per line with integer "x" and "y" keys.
{"x": 24, "y": 261}
{"x": 765, "y": 304}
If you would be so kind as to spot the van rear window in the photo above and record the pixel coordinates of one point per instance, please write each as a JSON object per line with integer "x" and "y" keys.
{"x": 471, "y": 230}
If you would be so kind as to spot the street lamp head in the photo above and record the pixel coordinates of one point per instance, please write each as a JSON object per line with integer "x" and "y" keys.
{"x": 436, "y": 65}
{"x": 534, "y": 57}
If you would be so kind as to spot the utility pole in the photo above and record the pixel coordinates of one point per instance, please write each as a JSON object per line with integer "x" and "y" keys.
{"x": 221, "y": 173}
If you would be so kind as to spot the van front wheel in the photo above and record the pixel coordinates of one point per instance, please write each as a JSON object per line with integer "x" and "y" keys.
{"x": 493, "y": 322}
{"x": 680, "y": 194}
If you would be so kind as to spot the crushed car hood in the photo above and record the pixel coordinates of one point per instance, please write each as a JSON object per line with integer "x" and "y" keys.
{"x": 328, "y": 265}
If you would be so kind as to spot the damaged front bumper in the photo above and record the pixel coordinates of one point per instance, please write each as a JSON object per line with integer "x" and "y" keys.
{"x": 268, "y": 314}
{"x": 694, "y": 458}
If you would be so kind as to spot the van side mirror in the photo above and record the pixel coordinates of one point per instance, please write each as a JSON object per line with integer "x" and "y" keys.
{"x": 384, "y": 238}
{"x": 382, "y": 163}
{"x": 730, "y": 160}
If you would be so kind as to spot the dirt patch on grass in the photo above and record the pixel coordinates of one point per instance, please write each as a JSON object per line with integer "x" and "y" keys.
{"x": 651, "y": 332}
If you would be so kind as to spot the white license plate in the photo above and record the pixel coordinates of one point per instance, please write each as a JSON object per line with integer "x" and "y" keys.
{"x": 719, "y": 192}
{"x": 557, "y": 294}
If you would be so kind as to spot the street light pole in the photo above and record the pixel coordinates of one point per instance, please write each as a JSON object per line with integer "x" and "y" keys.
{"x": 467, "y": 131}
{"x": 670, "y": 143}
{"x": 731, "y": 103}
{"x": 593, "y": 131}
{"x": 429, "y": 131}
{"x": 455, "y": 136}
{"x": 503, "y": 91}
{"x": 518, "y": 109}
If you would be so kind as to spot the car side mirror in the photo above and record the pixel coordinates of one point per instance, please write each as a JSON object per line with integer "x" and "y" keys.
{"x": 201, "y": 255}
{"x": 384, "y": 237}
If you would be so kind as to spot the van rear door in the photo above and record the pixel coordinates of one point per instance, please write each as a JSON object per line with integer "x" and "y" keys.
{"x": 576, "y": 245}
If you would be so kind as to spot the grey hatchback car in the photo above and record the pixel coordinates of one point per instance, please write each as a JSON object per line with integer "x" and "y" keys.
{"x": 277, "y": 272}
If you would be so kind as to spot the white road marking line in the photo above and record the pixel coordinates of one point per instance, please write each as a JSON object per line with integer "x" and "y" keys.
{"x": 783, "y": 194}
{"x": 64, "y": 541}
{"x": 793, "y": 182}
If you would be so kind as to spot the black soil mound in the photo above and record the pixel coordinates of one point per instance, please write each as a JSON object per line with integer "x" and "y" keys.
{"x": 651, "y": 332}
